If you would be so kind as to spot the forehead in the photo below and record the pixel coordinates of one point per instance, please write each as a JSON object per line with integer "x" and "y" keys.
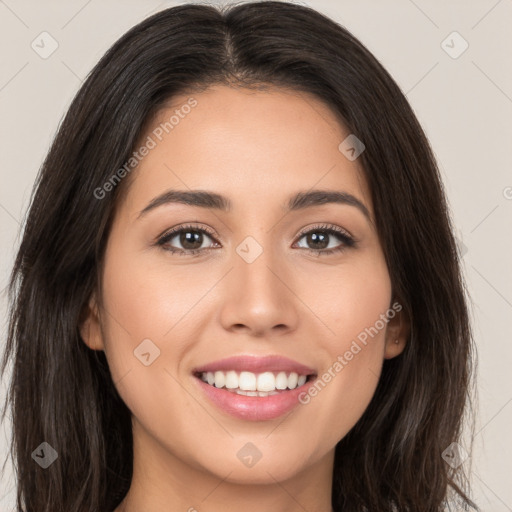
{"x": 251, "y": 144}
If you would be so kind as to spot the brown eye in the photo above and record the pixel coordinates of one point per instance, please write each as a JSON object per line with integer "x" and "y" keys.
{"x": 322, "y": 240}
{"x": 191, "y": 239}
{"x": 318, "y": 239}
{"x": 186, "y": 240}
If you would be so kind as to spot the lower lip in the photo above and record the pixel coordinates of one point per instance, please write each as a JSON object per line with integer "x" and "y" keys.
{"x": 254, "y": 408}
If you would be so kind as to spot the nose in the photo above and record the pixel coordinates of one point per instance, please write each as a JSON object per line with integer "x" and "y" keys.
{"x": 258, "y": 297}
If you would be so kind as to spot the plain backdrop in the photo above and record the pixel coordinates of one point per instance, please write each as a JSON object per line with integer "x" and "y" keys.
{"x": 461, "y": 95}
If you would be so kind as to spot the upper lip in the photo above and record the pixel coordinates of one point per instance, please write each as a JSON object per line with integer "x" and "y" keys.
{"x": 256, "y": 364}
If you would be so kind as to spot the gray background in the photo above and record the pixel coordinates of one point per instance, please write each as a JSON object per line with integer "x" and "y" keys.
{"x": 463, "y": 103}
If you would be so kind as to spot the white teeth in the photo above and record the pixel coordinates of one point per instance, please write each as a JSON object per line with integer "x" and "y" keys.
{"x": 220, "y": 379}
{"x": 252, "y": 393}
{"x": 247, "y": 381}
{"x": 266, "y": 382}
{"x": 282, "y": 381}
{"x": 231, "y": 380}
{"x": 252, "y": 384}
{"x": 293, "y": 379}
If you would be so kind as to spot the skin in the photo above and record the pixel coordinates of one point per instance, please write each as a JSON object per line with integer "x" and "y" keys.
{"x": 258, "y": 148}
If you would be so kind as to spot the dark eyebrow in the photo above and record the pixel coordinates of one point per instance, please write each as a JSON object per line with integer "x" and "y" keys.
{"x": 299, "y": 201}
{"x": 200, "y": 198}
{"x": 318, "y": 197}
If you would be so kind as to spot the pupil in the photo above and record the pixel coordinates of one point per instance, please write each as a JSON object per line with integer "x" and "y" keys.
{"x": 314, "y": 239}
{"x": 191, "y": 237}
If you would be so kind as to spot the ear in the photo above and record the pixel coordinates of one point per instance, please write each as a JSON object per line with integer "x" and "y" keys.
{"x": 397, "y": 333}
{"x": 90, "y": 325}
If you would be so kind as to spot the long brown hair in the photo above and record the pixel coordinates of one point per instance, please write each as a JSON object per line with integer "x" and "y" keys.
{"x": 62, "y": 393}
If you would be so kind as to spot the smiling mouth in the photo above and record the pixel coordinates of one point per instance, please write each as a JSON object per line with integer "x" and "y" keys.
{"x": 255, "y": 384}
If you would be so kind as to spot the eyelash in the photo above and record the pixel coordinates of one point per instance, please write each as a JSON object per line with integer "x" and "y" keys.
{"x": 347, "y": 240}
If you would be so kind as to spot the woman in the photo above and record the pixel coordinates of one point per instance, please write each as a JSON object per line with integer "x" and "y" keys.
{"x": 238, "y": 285}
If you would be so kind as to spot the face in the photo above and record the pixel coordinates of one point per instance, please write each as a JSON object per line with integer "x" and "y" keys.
{"x": 274, "y": 274}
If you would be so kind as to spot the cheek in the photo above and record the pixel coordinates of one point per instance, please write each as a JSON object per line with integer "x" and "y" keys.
{"x": 146, "y": 300}
{"x": 148, "y": 324}
{"x": 148, "y": 312}
{"x": 354, "y": 304}
{"x": 350, "y": 298}
{"x": 345, "y": 387}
